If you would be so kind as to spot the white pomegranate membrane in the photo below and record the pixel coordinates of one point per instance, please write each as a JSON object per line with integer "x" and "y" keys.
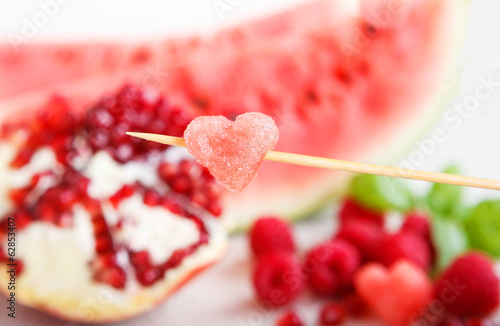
{"x": 97, "y": 209}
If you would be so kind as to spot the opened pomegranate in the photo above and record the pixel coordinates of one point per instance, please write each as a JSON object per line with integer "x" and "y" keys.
{"x": 106, "y": 225}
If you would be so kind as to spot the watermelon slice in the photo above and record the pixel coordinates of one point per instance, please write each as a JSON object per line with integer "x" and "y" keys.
{"x": 351, "y": 80}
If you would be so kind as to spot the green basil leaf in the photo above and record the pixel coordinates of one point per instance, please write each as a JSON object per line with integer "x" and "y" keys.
{"x": 381, "y": 193}
{"x": 483, "y": 227}
{"x": 446, "y": 199}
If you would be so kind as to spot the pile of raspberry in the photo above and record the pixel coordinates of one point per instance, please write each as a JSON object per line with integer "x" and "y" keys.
{"x": 366, "y": 270}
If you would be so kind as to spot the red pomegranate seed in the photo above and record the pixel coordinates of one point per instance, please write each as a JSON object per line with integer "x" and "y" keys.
{"x": 82, "y": 186}
{"x": 172, "y": 205}
{"x": 214, "y": 208}
{"x": 67, "y": 197}
{"x": 65, "y": 157}
{"x": 139, "y": 259}
{"x": 332, "y": 314}
{"x": 114, "y": 276}
{"x": 143, "y": 119}
{"x": 46, "y": 212}
{"x": 103, "y": 261}
{"x": 203, "y": 238}
{"x": 186, "y": 167}
{"x": 179, "y": 121}
{"x": 101, "y": 118}
{"x": 149, "y": 275}
{"x": 93, "y": 206}
{"x": 167, "y": 171}
{"x": 199, "y": 198}
{"x": 211, "y": 190}
{"x": 124, "y": 153}
{"x": 23, "y": 219}
{"x": 289, "y": 319}
{"x": 205, "y": 174}
{"x": 125, "y": 192}
{"x": 22, "y": 158}
{"x": 51, "y": 195}
{"x": 19, "y": 267}
{"x": 98, "y": 138}
{"x": 62, "y": 143}
{"x": 18, "y": 195}
{"x": 181, "y": 184}
{"x": 36, "y": 178}
{"x": 100, "y": 225}
{"x": 175, "y": 259}
{"x": 103, "y": 243}
{"x": 158, "y": 127}
{"x": 152, "y": 198}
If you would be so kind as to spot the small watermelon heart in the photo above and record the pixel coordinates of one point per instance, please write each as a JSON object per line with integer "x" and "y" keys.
{"x": 398, "y": 295}
{"x": 232, "y": 150}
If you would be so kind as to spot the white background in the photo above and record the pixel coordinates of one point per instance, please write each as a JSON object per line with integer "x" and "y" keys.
{"x": 223, "y": 295}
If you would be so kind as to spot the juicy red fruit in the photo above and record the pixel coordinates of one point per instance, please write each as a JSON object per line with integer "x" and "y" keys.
{"x": 403, "y": 245}
{"x": 132, "y": 109}
{"x": 352, "y": 211}
{"x": 271, "y": 234}
{"x": 277, "y": 278}
{"x": 332, "y": 314}
{"x": 475, "y": 285}
{"x": 103, "y": 128}
{"x": 330, "y": 267}
{"x": 419, "y": 223}
{"x": 54, "y": 126}
{"x": 363, "y": 235}
{"x": 232, "y": 150}
{"x": 289, "y": 319}
{"x": 195, "y": 182}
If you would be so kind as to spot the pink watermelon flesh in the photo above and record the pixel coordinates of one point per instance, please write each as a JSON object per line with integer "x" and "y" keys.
{"x": 232, "y": 151}
{"x": 33, "y": 66}
{"x": 340, "y": 79}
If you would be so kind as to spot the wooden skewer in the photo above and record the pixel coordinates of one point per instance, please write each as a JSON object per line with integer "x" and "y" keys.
{"x": 328, "y": 163}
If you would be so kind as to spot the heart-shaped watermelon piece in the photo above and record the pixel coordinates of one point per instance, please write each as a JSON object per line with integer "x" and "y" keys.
{"x": 232, "y": 151}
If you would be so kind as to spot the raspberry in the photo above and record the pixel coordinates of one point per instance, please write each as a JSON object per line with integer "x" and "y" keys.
{"x": 352, "y": 211}
{"x": 332, "y": 314}
{"x": 290, "y": 319}
{"x": 472, "y": 284}
{"x": 355, "y": 306}
{"x": 363, "y": 235}
{"x": 418, "y": 223}
{"x": 331, "y": 266}
{"x": 478, "y": 322}
{"x": 278, "y": 278}
{"x": 271, "y": 234}
{"x": 403, "y": 245}
{"x": 451, "y": 320}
